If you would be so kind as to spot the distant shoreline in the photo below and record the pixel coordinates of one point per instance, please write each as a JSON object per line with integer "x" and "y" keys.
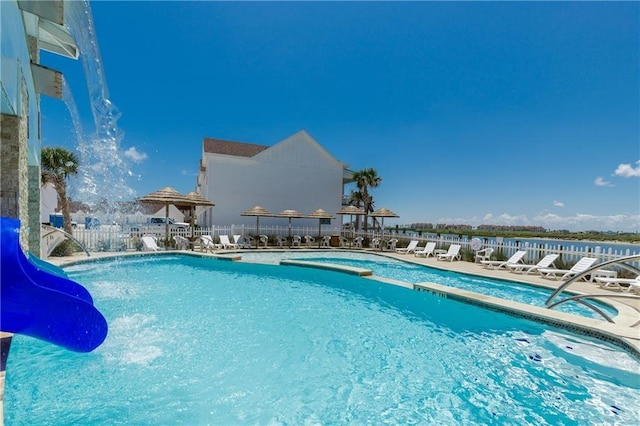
{"x": 587, "y": 241}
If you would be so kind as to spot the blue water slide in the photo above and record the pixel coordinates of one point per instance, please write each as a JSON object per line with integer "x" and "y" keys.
{"x": 46, "y": 266}
{"x": 39, "y": 303}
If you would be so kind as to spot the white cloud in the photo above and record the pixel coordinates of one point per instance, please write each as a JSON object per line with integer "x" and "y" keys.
{"x": 627, "y": 170}
{"x": 601, "y": 182}
{"x": 134, "y": 155}
{"x": 558, "y": 203}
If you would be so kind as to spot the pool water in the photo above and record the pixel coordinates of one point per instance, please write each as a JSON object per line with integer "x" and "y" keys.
{"x": 203, "y": 341}
{"x": 412, "y": 273}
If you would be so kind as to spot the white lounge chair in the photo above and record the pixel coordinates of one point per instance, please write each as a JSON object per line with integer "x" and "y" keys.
{"x": 326, "y": 240}
{"x": 207, "y": 244}
{"x": 308, "y": 240}
{"x": 516, "y": 258}
{"x": 484, "y": 254}
{"x": 410, "y": 248}
{"x": 523, "y": 268}
{"x": 226, "y": 243}
{"x": 620, "y": 284}
{"x": 582, "y": 265}
{"x": 427, "y": 251}
{"x": 149, "y": 243}
{"x": 243, "y": 242}
{"x": 452, "y": 253}
{"x": 295, "y": 242}
{"x": 343, "y": 241}
{"x": 264, "y": 240}
{"x": 182, "y": 243}
{"x": 375, "y": 244}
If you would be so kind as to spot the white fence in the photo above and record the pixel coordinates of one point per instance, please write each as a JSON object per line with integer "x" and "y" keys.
{"x": 112, "y": 238}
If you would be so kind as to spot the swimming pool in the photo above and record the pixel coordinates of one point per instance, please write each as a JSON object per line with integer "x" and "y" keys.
{"x": 412, "y": 273}
{"x": 205, "y": 341}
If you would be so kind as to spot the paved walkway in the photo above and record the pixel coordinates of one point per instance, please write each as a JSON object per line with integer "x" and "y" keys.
{"x": 627, "y": 322}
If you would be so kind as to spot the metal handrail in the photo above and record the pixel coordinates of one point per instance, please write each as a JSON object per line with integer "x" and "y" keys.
{"x": 622, "y": 262}
{"x": 578, "y": 298}
{"x": 53, "y": 230}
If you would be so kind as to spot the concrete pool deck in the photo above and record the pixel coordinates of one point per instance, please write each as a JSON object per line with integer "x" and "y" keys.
{"x": 625, "y": 328}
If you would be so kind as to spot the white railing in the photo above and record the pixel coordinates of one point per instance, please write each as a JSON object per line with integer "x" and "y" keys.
{"x": 569, "y": 251}
{"x": 112, "y": 238}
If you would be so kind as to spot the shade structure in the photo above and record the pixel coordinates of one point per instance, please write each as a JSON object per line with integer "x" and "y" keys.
{"x": 198, "y": 201}
{"x": 320, "y": 214}
{"x": 382, "y": 213}
{"x": 257, "y": 211}
{"x": 351, "y": 211}
{"x": 166, "y": 196}
{"x": 290, "y": 213}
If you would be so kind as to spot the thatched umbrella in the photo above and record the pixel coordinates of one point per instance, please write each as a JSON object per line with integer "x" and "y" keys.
{"x": 166, "y": 196}
{"x": 351, "y": 211}
{"x": 257, "y": 211}
{"x": 320, "y": 214}
{"x": 382, "y": 213}
{"x": 290, "y": 214}
{"x": 198, "y": 201}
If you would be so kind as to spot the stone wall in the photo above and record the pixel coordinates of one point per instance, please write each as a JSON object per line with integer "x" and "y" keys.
{"x": 14, "y": 171}
{"x": 9, "y": 165}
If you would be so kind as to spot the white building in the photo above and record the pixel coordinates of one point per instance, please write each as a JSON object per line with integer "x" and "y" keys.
{"x": 296, "y": 173}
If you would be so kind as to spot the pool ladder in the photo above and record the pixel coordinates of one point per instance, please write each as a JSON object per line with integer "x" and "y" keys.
{"x": 623, "y": 262}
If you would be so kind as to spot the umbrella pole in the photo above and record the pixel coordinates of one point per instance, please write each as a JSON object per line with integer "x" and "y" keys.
{"x": 193, "y": 208}
{"x": 257, "y": 232}
{"x": 166, "y": 226}
{"x": 319, "y": 231}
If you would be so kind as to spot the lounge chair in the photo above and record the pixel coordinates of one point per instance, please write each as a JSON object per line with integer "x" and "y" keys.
{"x": 308, "y": 240}
{"x": 264, "y": 240}
{"x": 226, "y": 243}
{"x": 427, "y": 251}
{"x": 295, "y": 242}
{"x": 515, "y": 259}
{"x": 484, "y": 254}
{"x": 582, "y": 265}
{"x": 207, "y": 244}
{"x": 326, "y": 240}
{"x": 375, "y": 244}
{"x": 620, "y": 284}
{"x": 281, "y": 241}
{"x": 181, "y": 242}
{"x": 391, "y": 244}
{"x": 243, "y": 242}
{"x": 357, "y": 242}
{"x": 149, "y": 243}
{"x": 410, "y": 248}
{"x": 523, "y": 268}
{"x": 452, "y": 253}
{"x": 343, "y": 241}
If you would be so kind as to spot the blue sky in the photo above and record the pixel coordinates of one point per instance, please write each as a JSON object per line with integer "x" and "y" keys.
{"x": 522, "y": 113}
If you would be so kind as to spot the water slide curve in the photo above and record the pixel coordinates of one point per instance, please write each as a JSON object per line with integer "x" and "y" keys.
{"x": 42, "y": 302}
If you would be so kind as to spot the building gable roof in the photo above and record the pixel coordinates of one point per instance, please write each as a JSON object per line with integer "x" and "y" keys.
{"x": 238, "y": 149}
{"x": 300, "y": 139}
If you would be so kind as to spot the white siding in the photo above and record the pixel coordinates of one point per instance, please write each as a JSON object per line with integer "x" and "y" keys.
{"x": 296, "y": 173}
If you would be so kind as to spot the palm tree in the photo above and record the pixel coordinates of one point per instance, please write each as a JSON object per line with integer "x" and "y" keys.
{"x": 365, "y": 179}
{"x": 57, "y": 165}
